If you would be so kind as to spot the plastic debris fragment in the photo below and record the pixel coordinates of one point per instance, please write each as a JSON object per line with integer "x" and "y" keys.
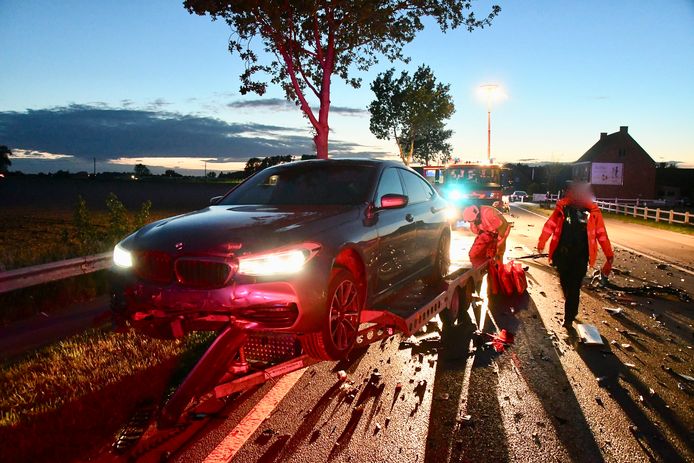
{"x": 501, "y": 341}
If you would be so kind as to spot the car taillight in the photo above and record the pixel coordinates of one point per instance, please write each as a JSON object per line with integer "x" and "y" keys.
{"x": 153, "y": 266}
{"x": 204, "y": 273}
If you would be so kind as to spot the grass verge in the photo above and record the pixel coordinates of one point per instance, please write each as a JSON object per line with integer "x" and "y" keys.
{"x": 679, "y": 228}
{"x": 65, "y": 401}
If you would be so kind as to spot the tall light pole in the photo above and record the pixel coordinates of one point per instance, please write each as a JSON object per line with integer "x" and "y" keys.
{"x": 490, "y": 93}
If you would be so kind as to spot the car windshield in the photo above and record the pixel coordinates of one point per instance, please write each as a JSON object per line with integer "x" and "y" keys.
{"x": 306, "y": 184}
{"x": 473, "y": 174}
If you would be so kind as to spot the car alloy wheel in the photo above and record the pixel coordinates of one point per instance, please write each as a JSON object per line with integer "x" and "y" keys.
{"x": 444, "y": 256}
{"x": 344, "y": 314}
{"x": 343, "y": 304}
{"x": 442, "y": 262}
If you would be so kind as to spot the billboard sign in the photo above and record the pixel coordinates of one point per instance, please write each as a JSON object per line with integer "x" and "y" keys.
{"x": 607, "y": 173}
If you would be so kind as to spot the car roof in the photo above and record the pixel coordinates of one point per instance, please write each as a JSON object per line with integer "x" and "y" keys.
{"x": 348, "y": 161}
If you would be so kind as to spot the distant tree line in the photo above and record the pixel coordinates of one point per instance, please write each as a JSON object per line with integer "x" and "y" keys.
{"x": 537, "y": 179}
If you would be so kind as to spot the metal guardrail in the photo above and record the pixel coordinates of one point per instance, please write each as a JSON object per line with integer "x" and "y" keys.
{"x": 647, "y": 213}
{"x": 54, "y": 271}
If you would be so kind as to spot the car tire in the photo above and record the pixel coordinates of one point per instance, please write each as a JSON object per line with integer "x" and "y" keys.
{"x": 345, "y": 301}
{"x": 442, "y": 261}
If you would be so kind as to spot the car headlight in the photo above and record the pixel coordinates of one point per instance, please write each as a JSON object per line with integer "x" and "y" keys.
{"x": 122, "y": 257}
{"x": 280, "y": 262}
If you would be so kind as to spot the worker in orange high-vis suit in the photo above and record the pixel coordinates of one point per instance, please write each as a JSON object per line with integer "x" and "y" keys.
{"x": 491, "y": 229}
{"x": 577, "y": 228}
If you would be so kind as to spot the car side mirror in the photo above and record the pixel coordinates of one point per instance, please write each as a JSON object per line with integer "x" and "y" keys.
{"x": 393, "y": 201}
{"x": 215, "y": 199}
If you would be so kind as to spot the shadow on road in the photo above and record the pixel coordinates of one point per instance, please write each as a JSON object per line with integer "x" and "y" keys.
{"x": 536, "y": 360}
{"x": 647, "y": 433}
{"x": 451, "y": 435}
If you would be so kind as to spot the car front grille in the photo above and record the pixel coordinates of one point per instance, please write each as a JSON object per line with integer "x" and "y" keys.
{"x": 201, "y": 273}
{"x": 154, "y": 266}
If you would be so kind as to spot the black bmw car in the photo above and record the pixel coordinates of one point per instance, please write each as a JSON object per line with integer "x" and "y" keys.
{"x": 300, "y": 248}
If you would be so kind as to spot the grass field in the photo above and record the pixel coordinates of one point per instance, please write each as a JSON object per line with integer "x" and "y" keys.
{"x": 82, "y": 389}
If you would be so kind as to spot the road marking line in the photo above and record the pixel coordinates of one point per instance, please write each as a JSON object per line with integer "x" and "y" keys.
{"x": 238, "y": 436}
{"x": 626, "y": 248}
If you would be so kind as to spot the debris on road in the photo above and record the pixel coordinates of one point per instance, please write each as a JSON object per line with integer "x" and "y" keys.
{"x": 614, "y": 311}
{"x": 499, "y": 342}
{"x": 342, "y": 375}
{"x": 375, "y": 377}
{"x": 589, "y": 334}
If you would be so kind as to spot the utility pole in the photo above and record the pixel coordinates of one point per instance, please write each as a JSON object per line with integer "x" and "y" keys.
{"x": 205, "y": 169}
{"x": 94, "y": 158}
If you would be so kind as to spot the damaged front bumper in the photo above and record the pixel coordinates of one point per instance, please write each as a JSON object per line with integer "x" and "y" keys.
{"x": 171, "y": 311}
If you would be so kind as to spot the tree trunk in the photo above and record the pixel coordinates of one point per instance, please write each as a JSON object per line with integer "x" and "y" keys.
{"x": 322, "y": 128}
{"x": 321, "y": 141}
{"x": 410, "y": 154}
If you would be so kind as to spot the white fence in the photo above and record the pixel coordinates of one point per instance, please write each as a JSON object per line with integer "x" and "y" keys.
{"x": 644, "y": 212}
{"x": 46, "y": 273}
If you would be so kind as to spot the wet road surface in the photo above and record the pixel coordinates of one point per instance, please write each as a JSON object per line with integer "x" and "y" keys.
{"x": 546, "y": 398}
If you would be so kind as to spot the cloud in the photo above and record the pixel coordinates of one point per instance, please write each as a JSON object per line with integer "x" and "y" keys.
{"x": 105, "y": 133}
{"x": 159, "y": 103}
{"x": 89, "y": 131}
{"x": 278, "y": 104}
{"x": 37, "y": 155}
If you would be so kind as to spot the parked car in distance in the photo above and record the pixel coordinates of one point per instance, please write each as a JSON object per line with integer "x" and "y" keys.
{"x": 518, "y": 196}
{"x": 298, "y": 248}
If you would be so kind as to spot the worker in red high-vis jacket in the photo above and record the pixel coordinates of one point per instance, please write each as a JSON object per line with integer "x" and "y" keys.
{"x": 577, "y": 228}
{"x": 491, "y": 229}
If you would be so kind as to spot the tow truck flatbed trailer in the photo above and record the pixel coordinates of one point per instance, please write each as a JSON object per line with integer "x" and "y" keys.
{"x": 265, "y": 357}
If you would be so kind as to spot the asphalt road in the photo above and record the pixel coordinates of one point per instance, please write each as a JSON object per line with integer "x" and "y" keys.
{"x": 546, "y": 398}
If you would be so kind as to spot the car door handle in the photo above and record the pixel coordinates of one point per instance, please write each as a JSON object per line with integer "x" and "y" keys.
{"x": 409, "y": 218}
{"x": 435, "y": 210}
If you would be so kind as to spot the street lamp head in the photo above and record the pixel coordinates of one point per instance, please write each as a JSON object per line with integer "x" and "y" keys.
{"x": 490, "y": 93}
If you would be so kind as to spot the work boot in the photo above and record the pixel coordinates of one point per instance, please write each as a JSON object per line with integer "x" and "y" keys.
{"x": 567, "y": 323}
